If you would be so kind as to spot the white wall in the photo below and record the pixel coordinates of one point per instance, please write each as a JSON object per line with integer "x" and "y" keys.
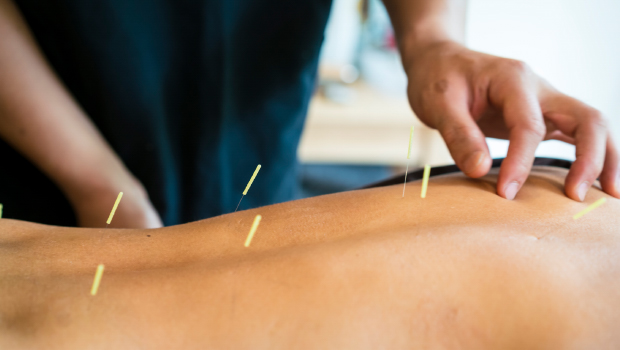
{"x": 574, "y": 44}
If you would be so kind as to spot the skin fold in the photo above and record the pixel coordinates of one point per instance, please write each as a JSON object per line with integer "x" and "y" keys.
{"x": 366, "y": 269}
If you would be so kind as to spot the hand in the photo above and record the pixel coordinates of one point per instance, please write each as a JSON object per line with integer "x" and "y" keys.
{"x": 135, "y": 210}
{"x": 468, "y": 95}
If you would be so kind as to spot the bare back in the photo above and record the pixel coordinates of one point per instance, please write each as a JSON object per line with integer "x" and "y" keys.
{"x": 462, "y": 268}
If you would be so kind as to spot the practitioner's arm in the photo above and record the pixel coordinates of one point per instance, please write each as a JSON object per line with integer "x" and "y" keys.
{"x": 468, "y": 95}
{"x": 40, "y": 119}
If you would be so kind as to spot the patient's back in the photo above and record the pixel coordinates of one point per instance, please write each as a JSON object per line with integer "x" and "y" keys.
{"x": 462, "y": 268}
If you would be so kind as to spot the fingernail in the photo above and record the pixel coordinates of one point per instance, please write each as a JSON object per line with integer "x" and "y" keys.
{"x": 473, "y": 161}
{"x": 511, "y": 190}
{"x": 582, "y": 190}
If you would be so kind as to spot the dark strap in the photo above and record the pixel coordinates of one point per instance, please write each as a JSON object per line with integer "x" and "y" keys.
{"x": 447, "y": 169}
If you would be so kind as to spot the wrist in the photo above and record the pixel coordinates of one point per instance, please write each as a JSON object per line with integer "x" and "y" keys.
{"x": 415, "y": 31}
{"x": 420, "y": 24}
{"x": 416, "y": 52}
{"x": 422, "y": 37}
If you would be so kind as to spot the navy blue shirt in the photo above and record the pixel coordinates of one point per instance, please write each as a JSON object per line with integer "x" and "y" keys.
{"x": 192, "y": 95}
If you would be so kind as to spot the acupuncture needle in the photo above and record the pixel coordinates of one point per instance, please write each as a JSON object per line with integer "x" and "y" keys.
{"x": 427, "y": 172}
{"x": 248, "y": 186}
{"x": 118, "y": 199}
{"x": 248, "y": 240}
{"x": 97, "y": 280}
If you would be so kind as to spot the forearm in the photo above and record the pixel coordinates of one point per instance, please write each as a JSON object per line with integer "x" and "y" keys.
{"x": 418, "y": 23}
{"x": 39, "y": 118}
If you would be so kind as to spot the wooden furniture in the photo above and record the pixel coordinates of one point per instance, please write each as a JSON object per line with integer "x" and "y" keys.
{"x": 373, "y": 129}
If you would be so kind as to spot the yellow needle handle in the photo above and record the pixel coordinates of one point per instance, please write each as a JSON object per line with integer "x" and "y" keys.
{"x": 591, "y": 207}
{"x": 427, "y": 173}
{"x": 252, "y": 230}
{"x": 97, "y": 280}
{"x": 410, "y": 138}
{"x": 118, "y": 199}
{"x": 251, "y": 180}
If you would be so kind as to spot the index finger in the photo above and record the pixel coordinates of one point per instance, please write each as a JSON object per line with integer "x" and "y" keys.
{"x": 523, "y": 117}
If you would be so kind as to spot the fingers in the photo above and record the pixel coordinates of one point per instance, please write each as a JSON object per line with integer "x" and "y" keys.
{"x": 523, "y": 118}
{"x": 596, "y": 153}
{"x": 522, "y": 97}
{"x": 590, "y": 142}
{"x": 462, "y": 135}
{"x": 517, "y": 93}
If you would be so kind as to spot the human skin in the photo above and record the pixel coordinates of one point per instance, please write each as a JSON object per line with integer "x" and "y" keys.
{"x": 40, "y": 119}
{"x": 366, "y": 269}
{"x": 469, "y": 95}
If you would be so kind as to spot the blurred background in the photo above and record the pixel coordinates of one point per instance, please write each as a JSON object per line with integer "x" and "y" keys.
{"x": 358, "y": 124}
